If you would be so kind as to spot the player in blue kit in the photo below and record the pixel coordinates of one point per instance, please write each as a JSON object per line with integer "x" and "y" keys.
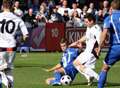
{"x": 65, "y": 66}
{"x": 111, "y": 24}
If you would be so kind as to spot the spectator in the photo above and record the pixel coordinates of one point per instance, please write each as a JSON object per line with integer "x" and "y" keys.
{"x": 29, "y": 20}
{"x": 17, "y": 10}
{"x": 91, "y": 9}
{"x": 60, "y": 3}
{"x": 66, "y": 16}
{"x": 77, "y": 22}
{"x": 42, "y": 14}
{"x": 55, "y": 16}
{"x": 100, "y": 16}
{"x": 35, "y": 6}
{"x": 75, "y": 8}
{"x": 63, "y": 8}
{"x": 105, "y": 8}
{"x": 84, "y": 12}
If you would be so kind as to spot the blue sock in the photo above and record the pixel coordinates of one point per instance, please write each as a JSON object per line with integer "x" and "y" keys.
{"x": 57, "y": 76}
{"x": 102, "y": 79}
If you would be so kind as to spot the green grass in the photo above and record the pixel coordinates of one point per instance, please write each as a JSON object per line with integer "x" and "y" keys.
{"x": 28, "y": 72}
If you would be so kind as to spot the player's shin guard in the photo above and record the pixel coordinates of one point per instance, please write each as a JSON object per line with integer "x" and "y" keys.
{"x": 57, "y": 76}
{"x": 102, "y": 79}
{"x": 91, "y": 73}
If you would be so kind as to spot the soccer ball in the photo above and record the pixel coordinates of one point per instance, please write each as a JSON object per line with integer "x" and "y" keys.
{"x": 65, "y": 80}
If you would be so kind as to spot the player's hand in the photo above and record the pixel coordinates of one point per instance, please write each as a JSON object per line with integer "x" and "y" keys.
{"x": 98, "y": 51}
{"x": 25, "y": 37}
{"x": 79, "y": 45}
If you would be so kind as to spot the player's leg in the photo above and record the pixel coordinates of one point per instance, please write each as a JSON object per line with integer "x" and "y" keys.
{"x": 88, "y": 78}
{"x": 48, "y": 80}
{"x": 111, "y": 58}
{"x": 71, "y": 71}
{"x": 57, "y": 76}
{"x": 77, "y": 63}
{"x": 91, "y": 73}
{"x": 10, "y": 59}
{"x": 88, "y": 72}
{"x": 9, "y": 71}
{"x": 80, "y": 62}
{"x": 90, "y": 66}
{"x": 3, "y": 65}
{"x": 103, "y": 76}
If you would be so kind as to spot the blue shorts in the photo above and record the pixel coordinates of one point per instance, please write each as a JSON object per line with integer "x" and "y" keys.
{"x": 113, "y": 55}
{"x": 71, "y": 71}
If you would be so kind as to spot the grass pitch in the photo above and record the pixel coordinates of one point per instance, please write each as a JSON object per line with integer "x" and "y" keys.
{"x": 28, "y": 72}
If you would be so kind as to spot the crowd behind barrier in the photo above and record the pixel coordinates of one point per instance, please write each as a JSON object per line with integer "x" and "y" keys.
{"x": 46, "y": 36}
{"x": 50, "y": 22}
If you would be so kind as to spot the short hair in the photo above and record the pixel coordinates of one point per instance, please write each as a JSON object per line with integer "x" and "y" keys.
{"x": 115, "y": 4}
{"x": 7, "y": 4}
{"x": 63, "y": 40}
{"x": 90, "y": 17}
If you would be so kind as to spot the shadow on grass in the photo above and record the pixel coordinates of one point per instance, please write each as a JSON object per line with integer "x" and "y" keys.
{"x": 108, "y": 84}
{"x": 81, "y": 83}
{"x": 112, "y": 84}
{"x": 36, "y": 65}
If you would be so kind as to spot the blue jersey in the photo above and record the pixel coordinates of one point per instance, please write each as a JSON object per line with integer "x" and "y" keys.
{"x": 112, "y": 23}
{"x": 69, "y": 55}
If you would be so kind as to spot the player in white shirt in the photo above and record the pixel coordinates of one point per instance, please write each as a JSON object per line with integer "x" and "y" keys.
{"x": 9, "y": 24}
{"x": 85, "y": 62}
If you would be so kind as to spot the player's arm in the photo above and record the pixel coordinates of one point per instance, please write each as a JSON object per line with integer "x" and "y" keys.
{"x": 53, "y": 68}
{"x": 102, "y": 39}
{"x": 106, "y": 26}
{"x": 24, "y": 30}
{"x": 98, "y": 33}
{"x": 78, "y": 43}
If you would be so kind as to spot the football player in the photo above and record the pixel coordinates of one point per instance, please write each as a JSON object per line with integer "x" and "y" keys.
{"x": 85, "y": 62}
{"x": 9, "y": 24}
{"x": 65, "y": 66}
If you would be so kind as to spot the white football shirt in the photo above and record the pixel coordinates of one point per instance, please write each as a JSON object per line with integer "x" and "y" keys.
{"x": 9, "y": 24}
{"x": 92, "y": 37}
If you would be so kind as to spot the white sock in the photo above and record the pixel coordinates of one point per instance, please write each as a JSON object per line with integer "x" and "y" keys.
{"x": 11, "y": 80}
{"x": 86, "y": 75}
{"x": 91, "y": 73}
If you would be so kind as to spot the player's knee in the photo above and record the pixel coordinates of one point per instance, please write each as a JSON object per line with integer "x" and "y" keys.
{"x": 105, "y": 68}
